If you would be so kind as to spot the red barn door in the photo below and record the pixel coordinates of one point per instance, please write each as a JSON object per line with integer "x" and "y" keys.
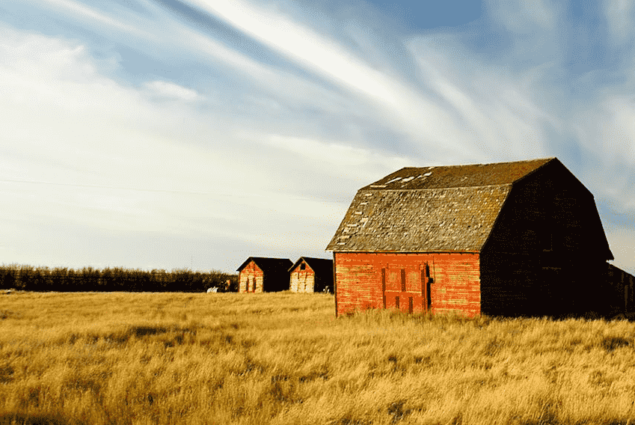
{"x": 405, "y": 287}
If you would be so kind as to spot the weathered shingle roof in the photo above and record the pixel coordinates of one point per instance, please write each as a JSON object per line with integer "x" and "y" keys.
{"x": 457, "y": 175}
{"x": 273, "y": 265}
{"x": 429, "y": 209}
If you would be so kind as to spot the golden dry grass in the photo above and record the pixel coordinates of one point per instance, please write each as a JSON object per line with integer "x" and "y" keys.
{"x": 135, "y": 358}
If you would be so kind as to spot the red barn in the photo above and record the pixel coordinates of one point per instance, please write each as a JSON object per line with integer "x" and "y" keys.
{"x": 516, "y": 238}
{"x": 261, "y": 274}
{"x": 311, "y": 275}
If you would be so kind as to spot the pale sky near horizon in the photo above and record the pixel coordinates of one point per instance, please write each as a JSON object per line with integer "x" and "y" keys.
{"x": 195, "y": 133}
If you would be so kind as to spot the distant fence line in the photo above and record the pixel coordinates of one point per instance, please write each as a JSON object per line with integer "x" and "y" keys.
{"x": 62, "y": 279}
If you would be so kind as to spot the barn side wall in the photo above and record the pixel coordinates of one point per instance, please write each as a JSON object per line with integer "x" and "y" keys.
{"x": 249, "y": 274}
{"x": 547, "y": 252}
{"x": 452, "y": 280}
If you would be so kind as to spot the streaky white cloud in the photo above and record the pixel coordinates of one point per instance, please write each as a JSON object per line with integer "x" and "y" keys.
{"x": 366, "y": 164}
{"x": 497, "y": 109}
{"x": 84, "y": 12}
{"x": 606, "y": 132}
{"x": 397, "y": 103}
{"x": 268, "y": 83}
{"x": 531, "y": 32}
{"x": 57, "y": 57}
{"x": 620, "y": 17}
{"x": 303, "y": 45}
{"x": 524, "y": 16}
{"x": 167, "y": 89}
{"x": 604, "y": 128}
{"x": 79, "y": 147}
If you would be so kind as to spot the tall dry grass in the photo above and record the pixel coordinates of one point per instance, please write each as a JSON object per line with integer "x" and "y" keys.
{"x": 126, "y": 358}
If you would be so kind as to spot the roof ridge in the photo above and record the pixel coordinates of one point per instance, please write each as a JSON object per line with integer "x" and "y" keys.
{"x": 467, "y": 175}
{"x": 548, "y": 158}
{"x": 385, "y": 189}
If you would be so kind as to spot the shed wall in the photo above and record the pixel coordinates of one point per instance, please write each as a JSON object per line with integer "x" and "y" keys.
{"x": 251, "y": 275}
{"x": 302, "y": 280}
{"x": 435, "y": 282}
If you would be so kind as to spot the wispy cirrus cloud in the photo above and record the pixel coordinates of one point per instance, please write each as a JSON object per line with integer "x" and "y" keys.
{"x": 83, "y": 12}
{"x": 413, "y": 114}
{"x": 619, "y": 14}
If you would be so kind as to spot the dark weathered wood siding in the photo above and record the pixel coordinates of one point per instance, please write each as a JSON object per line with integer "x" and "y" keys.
{"x": 276, "y": 280}
{"x": 620, "y": 287}
{"x": 436, "y": 282}
{"x": 547, "y": 251}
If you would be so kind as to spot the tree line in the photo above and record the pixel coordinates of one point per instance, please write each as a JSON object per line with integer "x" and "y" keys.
{"x": 62, "y": 279}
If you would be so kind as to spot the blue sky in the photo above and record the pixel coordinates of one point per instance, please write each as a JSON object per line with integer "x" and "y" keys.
{"x": 195, "y": 133}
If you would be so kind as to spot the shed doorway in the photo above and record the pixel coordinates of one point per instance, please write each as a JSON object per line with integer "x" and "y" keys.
{"x": 251, "y": 284}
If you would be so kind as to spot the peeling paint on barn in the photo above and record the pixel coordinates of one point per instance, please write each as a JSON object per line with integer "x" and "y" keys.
{"x": 515, "y": 238}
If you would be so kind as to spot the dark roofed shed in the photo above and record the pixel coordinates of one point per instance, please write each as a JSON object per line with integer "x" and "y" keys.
{"x": 310, "y": 274}
{"x": 263, "y": 274}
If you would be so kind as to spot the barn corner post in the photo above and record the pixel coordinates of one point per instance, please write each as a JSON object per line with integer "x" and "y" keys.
{"x": 335, "y": 282}
{"x": 431, "y": 281}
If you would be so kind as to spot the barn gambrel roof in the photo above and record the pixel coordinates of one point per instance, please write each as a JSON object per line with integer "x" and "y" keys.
{"x": 447, "y": 208}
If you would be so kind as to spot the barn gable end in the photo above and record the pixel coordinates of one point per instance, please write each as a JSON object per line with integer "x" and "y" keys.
{"x": 547, "y": 252}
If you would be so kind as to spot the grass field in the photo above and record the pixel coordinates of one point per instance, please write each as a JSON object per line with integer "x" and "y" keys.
{"x": 140, "y": 358}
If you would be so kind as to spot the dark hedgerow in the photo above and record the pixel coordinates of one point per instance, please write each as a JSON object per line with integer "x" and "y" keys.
{"x": 62, "y": 279}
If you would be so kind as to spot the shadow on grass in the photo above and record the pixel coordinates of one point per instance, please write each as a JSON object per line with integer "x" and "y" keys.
{"x": 141, "y": 331}
{"x": 145, "y": 331}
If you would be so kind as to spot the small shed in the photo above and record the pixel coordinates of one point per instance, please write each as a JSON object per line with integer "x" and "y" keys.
{"x": 513, "y": 238}
{"x": 311, "y": 275}
{"x": 262, "y": 274}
